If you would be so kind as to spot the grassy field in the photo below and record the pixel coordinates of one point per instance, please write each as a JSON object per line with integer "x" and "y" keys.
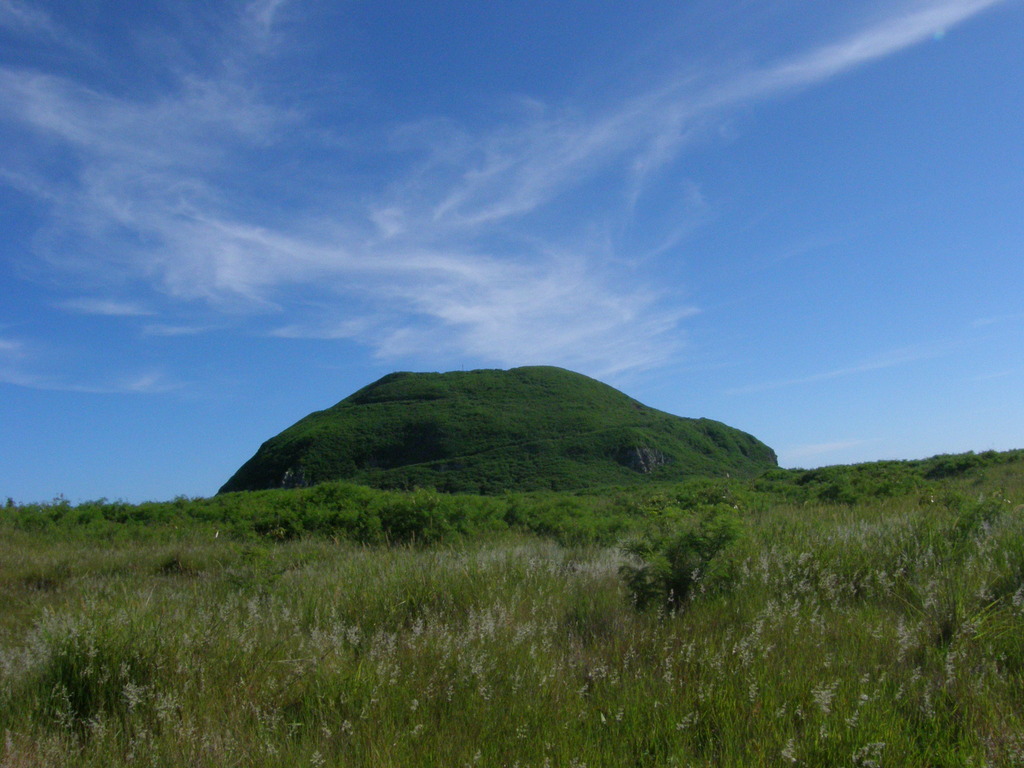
{"x": 857, "y": 616}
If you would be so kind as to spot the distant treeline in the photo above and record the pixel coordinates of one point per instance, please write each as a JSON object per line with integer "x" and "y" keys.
{"x": 354, "y": 513}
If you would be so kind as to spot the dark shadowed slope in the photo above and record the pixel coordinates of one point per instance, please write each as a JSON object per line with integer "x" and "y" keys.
{"x": 491, "y": 430}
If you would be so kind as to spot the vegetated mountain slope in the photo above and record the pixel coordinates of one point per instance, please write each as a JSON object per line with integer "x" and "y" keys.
{"x": 490, "y": 430}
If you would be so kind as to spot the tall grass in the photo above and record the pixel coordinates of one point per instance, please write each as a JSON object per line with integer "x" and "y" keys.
{"x": 885, "y": 633}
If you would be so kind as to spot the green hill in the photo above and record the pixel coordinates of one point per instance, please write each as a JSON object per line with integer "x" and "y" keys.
{"x": 490, "y": 431}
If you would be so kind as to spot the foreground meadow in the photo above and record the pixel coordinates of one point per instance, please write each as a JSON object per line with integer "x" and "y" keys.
{"x": 884, "y": 632}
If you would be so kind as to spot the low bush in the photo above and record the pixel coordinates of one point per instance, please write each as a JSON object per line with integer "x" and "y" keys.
{"x": 676, "y": 553}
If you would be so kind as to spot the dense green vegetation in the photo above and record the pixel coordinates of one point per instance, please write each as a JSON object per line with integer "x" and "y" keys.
{"x": 490, "y": 431}
{"x": 868, "y": 615}
{"x": 602, "y": 516}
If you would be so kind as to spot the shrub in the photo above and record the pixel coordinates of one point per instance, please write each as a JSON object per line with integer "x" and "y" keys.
{"x": 676, "y": 553}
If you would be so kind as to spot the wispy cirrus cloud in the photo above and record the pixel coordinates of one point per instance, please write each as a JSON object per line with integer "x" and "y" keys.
{"x": 893, "y": 359}
{"x": 982, "y": 322}
{"x": 441, "y": 254}
{"x": 260, "y": 14}
{"x": 23, "y": 364}
{"x": 148, "y": 383}
{"x": 26, "y": 19}
{"x": 517, "y": 169}
{"x": 559, "y": 309}
{"x": 901, "y": 27}
{"x": 9, "y": 347}
{"x": 532, "y": 302}
{"x": 106, "y": 307}
{"x": 168, "y": 330}
{"x": 181, "y": 131}
{"x": 21, "y": 16}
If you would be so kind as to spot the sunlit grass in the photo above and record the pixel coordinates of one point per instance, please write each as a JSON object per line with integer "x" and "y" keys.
{"x": 885, "y": 633}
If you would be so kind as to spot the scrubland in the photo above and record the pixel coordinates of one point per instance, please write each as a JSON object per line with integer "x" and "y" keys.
{"x": 858, "y": 616}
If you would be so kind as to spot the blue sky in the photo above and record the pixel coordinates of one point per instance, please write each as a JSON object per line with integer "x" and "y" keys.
{"x": 803, "y": 219}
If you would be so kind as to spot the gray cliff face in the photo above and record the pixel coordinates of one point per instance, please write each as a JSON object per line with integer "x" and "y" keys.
{"x": 643, "y": 459}
{"x": 295, "y": 478}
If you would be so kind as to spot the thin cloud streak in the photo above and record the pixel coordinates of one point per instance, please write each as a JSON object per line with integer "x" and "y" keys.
{"x": 894, "y": 360}
{"x": 185, "y": 131}
{"x": 145, "y": 384}
{"x": 262, "y": 14}
{"x": 525, "y": 169}
{"x": 23, "y": 17}
{"x": 160, "y": 329}
{"x": 106, "y": 307}
{"x": 22, "y": 365}
{"x": 893, "y": 34}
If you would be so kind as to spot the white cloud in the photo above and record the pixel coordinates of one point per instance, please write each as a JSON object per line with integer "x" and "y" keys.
{"x": 24, "y": 17}
{"x": 446, "y": 259}
{"x": 518, "y": 168}
{"x": 107, "y": 307}
{"x": 147, "y": 383}
{"x": 996, "y": 375}
{"x": 900, "y": 29}
{"x": 27, "y": 368}
{"x": 184, "y": 131}
{"x": 512, "y": 172}
{"x": 38, "y": 366}
{"x": 982, "y": 322}
{"x": 9, "y": 347}
{"x": 27, "y": 19}
{"x": 527, "y": 303}
{"x": 353, "y": 328}
{"x": 162, "y": 329}
{"x": 144, "y": 384}
{"x": 262, "y": 14}
{"x": 561, "y": 309}
{"x": 12, "y": 355}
